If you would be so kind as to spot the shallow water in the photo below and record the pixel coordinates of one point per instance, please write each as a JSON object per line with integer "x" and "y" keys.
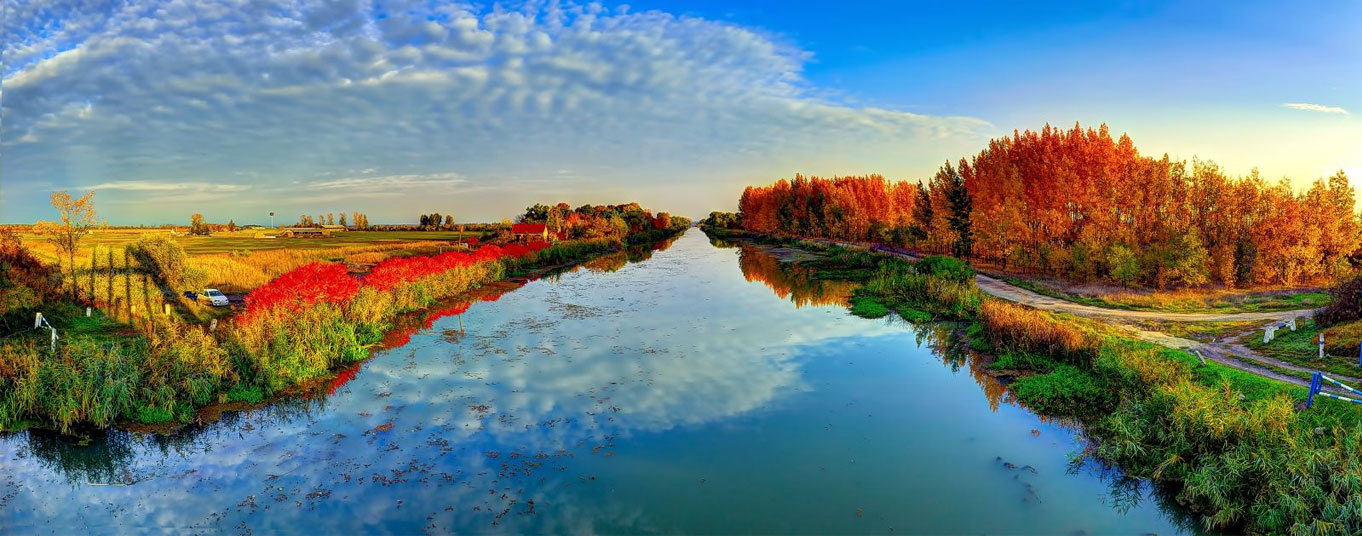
{"x": 704, "y": 389}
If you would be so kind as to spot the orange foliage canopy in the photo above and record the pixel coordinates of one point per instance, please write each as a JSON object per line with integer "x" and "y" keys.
{"x": 1078, "y": 203}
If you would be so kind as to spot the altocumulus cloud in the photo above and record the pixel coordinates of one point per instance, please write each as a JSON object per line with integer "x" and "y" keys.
{"x": 360, "y": 105}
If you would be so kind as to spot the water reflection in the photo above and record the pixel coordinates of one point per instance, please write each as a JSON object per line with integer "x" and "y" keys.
{"x": 664, "y": 396}
{"x": 946, "y": 340}
{"x": 791, "y": 280}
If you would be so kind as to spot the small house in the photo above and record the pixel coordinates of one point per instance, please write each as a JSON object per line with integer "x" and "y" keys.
{"x": 530, "y": 231}
{"x": 304, "y": 232}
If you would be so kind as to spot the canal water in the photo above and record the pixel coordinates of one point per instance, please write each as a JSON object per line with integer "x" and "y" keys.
{"x": 704, "y": 388}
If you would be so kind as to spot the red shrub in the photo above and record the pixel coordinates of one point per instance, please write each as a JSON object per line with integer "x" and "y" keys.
{"x": 303, "y": 286}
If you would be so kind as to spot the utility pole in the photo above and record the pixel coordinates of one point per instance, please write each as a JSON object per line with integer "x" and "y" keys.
{"x": 271, "y": 218}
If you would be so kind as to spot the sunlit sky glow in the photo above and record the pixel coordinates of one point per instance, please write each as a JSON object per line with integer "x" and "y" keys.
{"x": 234, "y": 108}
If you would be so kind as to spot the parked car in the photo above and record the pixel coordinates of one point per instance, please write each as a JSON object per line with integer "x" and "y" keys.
{"x": 215, "y": 297}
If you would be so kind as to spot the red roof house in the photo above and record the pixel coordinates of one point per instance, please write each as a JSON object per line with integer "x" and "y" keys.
{"x": 530, "y": 229}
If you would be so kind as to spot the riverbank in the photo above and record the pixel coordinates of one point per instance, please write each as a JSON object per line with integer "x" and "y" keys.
{"x": 299, "y": 329}
{"x": 1231, "y": 445}
{"x": 584, "y": 393}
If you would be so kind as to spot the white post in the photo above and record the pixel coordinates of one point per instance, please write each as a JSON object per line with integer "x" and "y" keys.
{"x": 37, "y": 320}
{"x": 1293, "y": 324}
{"x": 1321, "y": 345}
{"x": 54, "y": 339}
{"x": 87, "y": 312}
{"x": 1268, "y": 332}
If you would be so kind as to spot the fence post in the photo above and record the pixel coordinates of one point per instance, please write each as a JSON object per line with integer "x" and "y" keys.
{"x": 87, "y": 312}
{"x": 37, "y": 320}
{"x": 1314, "y": 388}
{"x": 1293, "y": 324}
{"x": 1321, "y": 345}
{"x": 54, "y": 339}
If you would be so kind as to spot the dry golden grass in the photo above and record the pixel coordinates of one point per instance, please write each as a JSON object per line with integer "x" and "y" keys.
{"x": 1026, "y": 329}
{"x": 366, "y": 258}
{"x": 228, "y": 274}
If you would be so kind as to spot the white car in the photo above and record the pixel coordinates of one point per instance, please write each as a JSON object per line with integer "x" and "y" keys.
{"x": 215, "y": 297}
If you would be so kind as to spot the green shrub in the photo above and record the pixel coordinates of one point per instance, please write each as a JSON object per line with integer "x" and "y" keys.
{"x": 1023, "y": 362}
{"x": 1067, "y": 390}
{"x": 154, "y": 415}
{"x": 898, "y": 285}
{"x": 248, "y": 394}
{"x": 914, "y": 315}
{"x": 949, "y": 268}
{"x": 1122, "y": 264}
{"x": 867, "y": 307}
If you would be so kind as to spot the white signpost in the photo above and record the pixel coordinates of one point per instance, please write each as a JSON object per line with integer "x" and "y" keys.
{"x": 39, "y": 322}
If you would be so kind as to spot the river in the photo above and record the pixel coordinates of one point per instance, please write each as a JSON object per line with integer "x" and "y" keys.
{"x": 706, "y": 389}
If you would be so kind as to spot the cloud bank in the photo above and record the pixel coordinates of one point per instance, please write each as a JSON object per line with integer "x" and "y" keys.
{"x": 356, "y": 104}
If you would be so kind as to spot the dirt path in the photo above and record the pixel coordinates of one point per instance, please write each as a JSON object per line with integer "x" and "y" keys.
{"x": 1224, "y": 350}
{"x": 1006, "y": 291}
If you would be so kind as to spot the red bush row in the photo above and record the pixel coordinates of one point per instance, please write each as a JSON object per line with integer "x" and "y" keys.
{"x": 400, "y": 270}
{"x": 303, "y": 286}
{"x": 330, "y": 281}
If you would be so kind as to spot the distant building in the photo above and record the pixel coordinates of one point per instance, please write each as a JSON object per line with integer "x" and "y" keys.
{"x": 530, "y": 231}
{"x": 305, "y": 232}
{"x": 336, "y": 228}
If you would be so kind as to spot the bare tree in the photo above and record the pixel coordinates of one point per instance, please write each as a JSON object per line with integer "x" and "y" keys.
{"x": 77, "y": 218}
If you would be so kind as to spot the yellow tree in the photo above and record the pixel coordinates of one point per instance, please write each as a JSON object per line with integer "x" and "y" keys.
{"x": 77, "y": 217}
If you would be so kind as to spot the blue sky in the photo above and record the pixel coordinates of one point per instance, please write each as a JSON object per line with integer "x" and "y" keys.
{"x": 234, "y": 108}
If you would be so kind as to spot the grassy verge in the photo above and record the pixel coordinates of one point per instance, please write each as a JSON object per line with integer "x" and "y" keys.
{"x": 1231, "y": 445}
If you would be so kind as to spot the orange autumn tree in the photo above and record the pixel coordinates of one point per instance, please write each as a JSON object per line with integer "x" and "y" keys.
{"x": 1081, "y": 204}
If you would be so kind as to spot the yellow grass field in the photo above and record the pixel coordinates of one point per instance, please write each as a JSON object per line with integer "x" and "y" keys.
{"x": 241, "y": 261}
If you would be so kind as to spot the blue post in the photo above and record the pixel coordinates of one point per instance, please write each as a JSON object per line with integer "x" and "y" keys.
{"x": 1314, "y": 388}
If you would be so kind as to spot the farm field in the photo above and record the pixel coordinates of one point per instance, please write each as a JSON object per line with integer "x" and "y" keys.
{"x": 243, "y": 241}
{"x": 238, "y": 262}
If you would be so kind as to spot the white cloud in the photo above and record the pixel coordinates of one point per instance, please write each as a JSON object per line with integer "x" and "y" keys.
{"x": 387, "y": 182}
{"x": 1315, "y": 108}
{"x": 642, "y": 103}
{"x": 153, "y": 186}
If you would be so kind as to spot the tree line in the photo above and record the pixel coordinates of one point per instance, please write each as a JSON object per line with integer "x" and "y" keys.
{"x": 600, "y": 221}
{"x": 1080, "y": 204}
{"x": 358, "y": 220}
